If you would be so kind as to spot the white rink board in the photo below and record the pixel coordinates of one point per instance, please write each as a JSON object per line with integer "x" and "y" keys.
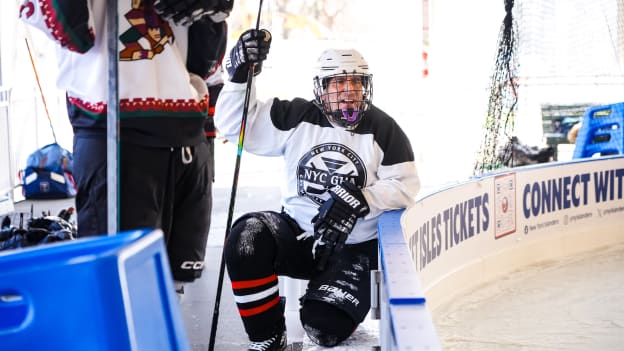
{"x": 473, "y": 232}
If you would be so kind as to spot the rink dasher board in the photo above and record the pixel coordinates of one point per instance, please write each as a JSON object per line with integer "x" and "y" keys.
{"x": 472, "y": 232}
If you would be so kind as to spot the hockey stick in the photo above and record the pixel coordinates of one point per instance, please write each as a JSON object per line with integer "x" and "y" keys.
{"x": 45, "y": 105}
{"x": 241, "y": 138}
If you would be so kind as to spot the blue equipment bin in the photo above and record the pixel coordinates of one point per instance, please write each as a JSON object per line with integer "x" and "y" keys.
{"x": 602, "y": 131}
{"x": 101, "y": 293}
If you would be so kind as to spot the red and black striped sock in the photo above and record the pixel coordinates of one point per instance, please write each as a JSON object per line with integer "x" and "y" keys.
{"x": 258, "y": 303}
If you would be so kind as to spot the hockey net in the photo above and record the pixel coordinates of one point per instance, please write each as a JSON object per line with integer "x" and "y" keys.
{"x": 554, "y": 56}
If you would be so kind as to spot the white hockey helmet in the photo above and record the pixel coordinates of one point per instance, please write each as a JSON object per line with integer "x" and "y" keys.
{"x": 349, "y": 64}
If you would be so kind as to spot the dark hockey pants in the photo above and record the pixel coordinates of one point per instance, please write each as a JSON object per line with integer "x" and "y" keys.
{"x": 262, "y": 245}
{"x": 157, "y": 190}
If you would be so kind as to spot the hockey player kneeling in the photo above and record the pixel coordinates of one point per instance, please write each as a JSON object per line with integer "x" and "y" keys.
{"x": 346, "y": 162}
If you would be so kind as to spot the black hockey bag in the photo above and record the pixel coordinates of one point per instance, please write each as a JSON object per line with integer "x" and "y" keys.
{"x": 48, "y": 174}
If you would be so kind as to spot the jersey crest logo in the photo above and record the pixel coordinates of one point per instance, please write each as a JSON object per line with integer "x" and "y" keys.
{"x": 148, "y": 33}
{"x": 27, "y": 9}
{"x": 325, "y": 166}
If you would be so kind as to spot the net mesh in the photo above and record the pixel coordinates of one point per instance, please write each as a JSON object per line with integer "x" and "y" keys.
{"x": 499, "y": 121}
{"x": 551, "y": 54}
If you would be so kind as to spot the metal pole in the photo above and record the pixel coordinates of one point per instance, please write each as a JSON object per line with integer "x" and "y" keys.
{"x": 112, "y": 125}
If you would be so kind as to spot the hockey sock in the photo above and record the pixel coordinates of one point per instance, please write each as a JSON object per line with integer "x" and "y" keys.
{"x": 249, "y": 255}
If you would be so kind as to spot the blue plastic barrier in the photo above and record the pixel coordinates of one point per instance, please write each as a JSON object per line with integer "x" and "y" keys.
{"x": 601, "y": 131}
{"x": 103, "y": 293}
{"x": 406, "y": 323}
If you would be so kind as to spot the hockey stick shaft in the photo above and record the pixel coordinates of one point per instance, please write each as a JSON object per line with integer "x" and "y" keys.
{"x": 45, "y": 105}
{"x": 241, "y": 139}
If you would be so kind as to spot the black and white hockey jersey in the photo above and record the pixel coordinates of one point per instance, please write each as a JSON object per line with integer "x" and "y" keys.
{"x": 376, "y": 155}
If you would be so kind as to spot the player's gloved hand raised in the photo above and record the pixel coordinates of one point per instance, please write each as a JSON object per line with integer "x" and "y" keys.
{"x": 251, "y": 48}
{"x": 335, "y": 221}
{"x": 188, "y": 11}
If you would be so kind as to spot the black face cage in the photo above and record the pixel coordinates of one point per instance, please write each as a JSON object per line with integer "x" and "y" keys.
{"x": 345, "y": 119}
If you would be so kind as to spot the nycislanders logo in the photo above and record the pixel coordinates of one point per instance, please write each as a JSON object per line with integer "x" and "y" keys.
{"x": 327, "y": 165}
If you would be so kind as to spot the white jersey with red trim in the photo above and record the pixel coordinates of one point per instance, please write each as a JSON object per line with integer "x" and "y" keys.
{"x": 162, "y": 101}
{"x": 376, "y": 155}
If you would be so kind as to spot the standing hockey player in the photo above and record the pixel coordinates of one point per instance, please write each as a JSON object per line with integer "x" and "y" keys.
{"x": 346, "y": 162}
{"x": 167, "y": 49}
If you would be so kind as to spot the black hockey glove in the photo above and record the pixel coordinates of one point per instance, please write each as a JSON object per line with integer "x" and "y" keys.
{"x": 251, "y": 48}
{"x": 51, "y": 228}
{"x": 188, "y": 11}
{"x": 335, "y": 221}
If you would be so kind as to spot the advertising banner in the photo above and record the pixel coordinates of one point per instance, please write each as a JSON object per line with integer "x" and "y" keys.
{"x": 471, "y": 232}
